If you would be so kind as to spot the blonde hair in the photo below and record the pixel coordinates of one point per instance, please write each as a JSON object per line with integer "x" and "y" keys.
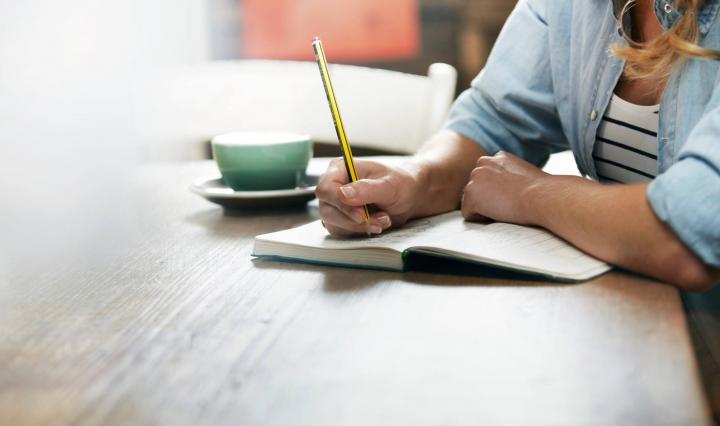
{"x": 654, "y": 60}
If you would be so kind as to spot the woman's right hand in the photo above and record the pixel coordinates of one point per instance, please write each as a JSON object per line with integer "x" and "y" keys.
{"x": 393, "y": 192}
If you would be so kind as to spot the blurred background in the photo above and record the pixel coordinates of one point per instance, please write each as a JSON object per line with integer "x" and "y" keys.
{"x": 401, "y": 35}
{"x": 80, "y": 105}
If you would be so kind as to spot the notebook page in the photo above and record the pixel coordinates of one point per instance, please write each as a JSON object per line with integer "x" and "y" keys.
{"x": 416, "y": 232}
{"x": 516, "y": 246}
{"x": 503, "y": 244}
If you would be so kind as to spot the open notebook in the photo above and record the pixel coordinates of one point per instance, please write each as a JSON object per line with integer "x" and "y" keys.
{"x": 514, "y": 247}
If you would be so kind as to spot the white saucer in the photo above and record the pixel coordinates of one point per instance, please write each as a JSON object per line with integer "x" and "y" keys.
{"x": 214, "y": 189}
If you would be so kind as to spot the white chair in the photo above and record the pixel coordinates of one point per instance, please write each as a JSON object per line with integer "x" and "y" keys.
{"x": 386, "y": 110}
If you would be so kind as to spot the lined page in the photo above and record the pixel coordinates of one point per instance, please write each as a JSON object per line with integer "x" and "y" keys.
{"x": 421, "y": 231}
{"x": 502, "y": 244}
{"x": 516, "y": 246}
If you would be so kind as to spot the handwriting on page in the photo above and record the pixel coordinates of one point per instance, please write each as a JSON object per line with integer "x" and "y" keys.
{"x": 501, "y": 244}
{"x": 416, "y": 232}
{"x": 450, "y": 231}
{"x": 401, "y": 235}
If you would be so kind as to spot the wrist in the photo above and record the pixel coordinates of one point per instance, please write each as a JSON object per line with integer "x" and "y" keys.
{"x": 535, "y": 199}
{"x": 418, "y": 172}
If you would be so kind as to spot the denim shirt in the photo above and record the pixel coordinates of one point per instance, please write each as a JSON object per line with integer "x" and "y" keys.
{"x": 549, "y": 80}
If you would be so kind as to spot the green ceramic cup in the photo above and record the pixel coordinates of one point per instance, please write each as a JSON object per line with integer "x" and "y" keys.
{"x": 254, "y": 161}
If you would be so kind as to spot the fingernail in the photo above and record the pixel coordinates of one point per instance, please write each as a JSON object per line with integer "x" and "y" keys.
{"x": 384, "y": 221}
{"x": 374, "y": 229}
{"x": 348, "y": 191}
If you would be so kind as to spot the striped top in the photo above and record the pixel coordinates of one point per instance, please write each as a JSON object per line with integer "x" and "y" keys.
{"x": 625, "y": 149}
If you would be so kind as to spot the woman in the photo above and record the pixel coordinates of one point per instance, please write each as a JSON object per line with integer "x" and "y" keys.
{"x": 602, "y": 78}
{"x": 633, "y": 88}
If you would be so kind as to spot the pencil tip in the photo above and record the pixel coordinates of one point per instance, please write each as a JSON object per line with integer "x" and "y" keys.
{"x": 316, "y": 38}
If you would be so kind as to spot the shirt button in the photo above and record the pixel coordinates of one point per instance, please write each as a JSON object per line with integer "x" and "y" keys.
{"x": 668, "y": 8}
{"x": 593, "y": 115}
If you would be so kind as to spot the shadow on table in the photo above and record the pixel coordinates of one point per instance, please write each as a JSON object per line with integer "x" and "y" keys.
{"x": 432, "y": 270}
{"x": 422, "y": 270}
{"x": 336, "y": 279}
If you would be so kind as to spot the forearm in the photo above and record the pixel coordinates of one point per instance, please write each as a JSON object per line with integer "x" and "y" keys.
{"x": 615, "y": 223}
{"x": 441, "y": 168}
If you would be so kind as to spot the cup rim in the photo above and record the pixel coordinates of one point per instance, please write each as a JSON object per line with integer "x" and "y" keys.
{"x": 261, "y": 138}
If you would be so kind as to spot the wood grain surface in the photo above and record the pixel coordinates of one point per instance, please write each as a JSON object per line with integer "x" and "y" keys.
{"x": 180, "y": 326}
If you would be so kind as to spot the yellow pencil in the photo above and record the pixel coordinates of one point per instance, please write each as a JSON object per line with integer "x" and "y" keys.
{"x": 335, "y": 111}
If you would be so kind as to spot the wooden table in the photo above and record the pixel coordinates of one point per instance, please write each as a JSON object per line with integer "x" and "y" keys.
{"x": 181, "y": 326}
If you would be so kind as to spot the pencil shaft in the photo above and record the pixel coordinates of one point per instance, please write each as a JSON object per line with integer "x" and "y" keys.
{"x": 335, "y": 111}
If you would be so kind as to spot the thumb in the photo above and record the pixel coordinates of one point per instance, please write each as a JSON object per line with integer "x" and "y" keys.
{"x": 368, "y": 191}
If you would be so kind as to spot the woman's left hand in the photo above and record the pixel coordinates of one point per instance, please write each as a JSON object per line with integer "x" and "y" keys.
{"x": 499, "y": 189}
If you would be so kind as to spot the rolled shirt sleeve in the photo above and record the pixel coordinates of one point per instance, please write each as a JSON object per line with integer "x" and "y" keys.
{"x": 687, "y": 195}
{"x": 511, "y": 105}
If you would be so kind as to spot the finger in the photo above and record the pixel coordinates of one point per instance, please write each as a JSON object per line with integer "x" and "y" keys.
{"x": 328, "y": 194}
{"x": 383, "y": 219}
{"x": 468, "y": 204}
{"x": 502, "y": 158}
{"x": 470, "y": 214}
{"x": 465, "y": 204}
{"x": 336, "y": 172}
{"x": 333, "y": 230}
{"x": 337, "y": 231}
{"x": 336, "y": 176}
{"x": 488, "y": 160}
{"x": 478, "y": 175}
{"x": 336, "y": 222}
{"x": 328, "y": 184}
{"x": 356, "y": 214}
{"x": 368, "y": 191}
